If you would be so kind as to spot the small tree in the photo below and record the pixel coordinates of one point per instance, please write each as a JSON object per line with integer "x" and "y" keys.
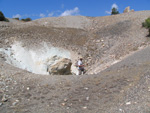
{"x": 146, "y": 24}
{"x": 16, "y": 18}
{"x": 114, "y": 11}
{"x": 27, "y": 19}
{"x": 2, "y": 17}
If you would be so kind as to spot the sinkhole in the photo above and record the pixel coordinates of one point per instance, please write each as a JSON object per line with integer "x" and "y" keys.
{"x": 35, "y": 61}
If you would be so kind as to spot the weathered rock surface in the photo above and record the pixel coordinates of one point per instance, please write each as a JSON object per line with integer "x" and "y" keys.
{"x": 127, "y": 10}
{"x": 52, "y": 61}
{"x": 61, "y": 67}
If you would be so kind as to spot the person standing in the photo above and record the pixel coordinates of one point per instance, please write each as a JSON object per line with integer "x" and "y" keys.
{"x": 80, "y": 66}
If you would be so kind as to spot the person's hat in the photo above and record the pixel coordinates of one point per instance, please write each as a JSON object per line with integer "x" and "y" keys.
{"x": 81, "y": 58}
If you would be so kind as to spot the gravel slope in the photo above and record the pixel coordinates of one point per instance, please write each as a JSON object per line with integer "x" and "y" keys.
{"x": 122, "y": 87}
{"x": 101, "y": 41}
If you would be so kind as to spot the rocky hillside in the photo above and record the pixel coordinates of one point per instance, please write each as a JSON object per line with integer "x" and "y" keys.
{"x": 116, "y": 53}
{"x": 101, "y": 41}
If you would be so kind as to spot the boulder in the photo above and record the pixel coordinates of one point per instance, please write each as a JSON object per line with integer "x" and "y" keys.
{"x": 132, "y": 10}
{"x": 51, "y": 61}
{"x": 127, "y": 10}
{"x": 61, "y": 67}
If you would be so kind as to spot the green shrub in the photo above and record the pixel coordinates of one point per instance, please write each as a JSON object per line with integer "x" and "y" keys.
{"x": 114, "y": 11}
{"x": 16, "y": 18}
{"x": 27, "y": 19}
{"x": 146, "y": 24}
{"x": 2, "y": 17}
{"x": 6, "y": 20}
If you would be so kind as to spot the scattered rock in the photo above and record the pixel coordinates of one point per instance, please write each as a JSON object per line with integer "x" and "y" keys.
{"x": 14, "y": 103}
{"x": 97, "y": 41}
{"x": 68, "y": 108}
{"x": 63, "y": 104}
{"x": 28, "y": 88}
{"x": 84, "y": 107}
{"x": 87, "y": 98}
{"x": 4, "y": 99}
{"x": 57, "y": 87}
{"x": 86, "y": 88}
{"x": 135, "y": 102}
{"x": 6, "y": 41}
{"x": 128, "y": 103}
{"x": 121, "y": 110}
{"x": 65, "y": 100}
{"x": 1, "y": 104}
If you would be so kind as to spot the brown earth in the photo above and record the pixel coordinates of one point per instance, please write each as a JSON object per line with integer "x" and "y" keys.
{"x": 101, "y": 41}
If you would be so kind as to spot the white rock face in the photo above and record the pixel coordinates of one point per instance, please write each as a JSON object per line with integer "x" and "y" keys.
{"x": 33, "y": 61}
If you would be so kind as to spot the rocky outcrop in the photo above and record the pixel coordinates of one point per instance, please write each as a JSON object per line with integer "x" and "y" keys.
{"x": 132, "y": 10}
{"x": 61, "y": 67}
{"x": 51, "y": 61}
{"x": 127, "y": 10}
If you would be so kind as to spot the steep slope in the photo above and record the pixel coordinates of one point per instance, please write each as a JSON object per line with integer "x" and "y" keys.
{"x": 106, "y": 39}
{"x": 101, "y": 41}
{"x": 123, "y": 87}
{"x": 78, "y": 22}
{"x": 117, "y": 36}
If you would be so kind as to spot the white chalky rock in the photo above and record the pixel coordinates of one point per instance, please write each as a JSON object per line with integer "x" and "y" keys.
{"x": 87, "y": 98}
{"x": 86, "y": 88}
{"x": 128, "y": 103}
{"x": 28, "y": 88}
{"x": 84, "y": 107}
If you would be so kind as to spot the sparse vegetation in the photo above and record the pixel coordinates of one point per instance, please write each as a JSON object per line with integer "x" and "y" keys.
{"x": 2, "y": 17}
{"x": 16, "y": 18}
{"x": 146, "y": 24}
{"x": 27, "y": 19}
{"x": 114, "y": 11}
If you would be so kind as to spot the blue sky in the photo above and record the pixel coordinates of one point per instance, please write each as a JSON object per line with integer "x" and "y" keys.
{"x": 36, "y": 9}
